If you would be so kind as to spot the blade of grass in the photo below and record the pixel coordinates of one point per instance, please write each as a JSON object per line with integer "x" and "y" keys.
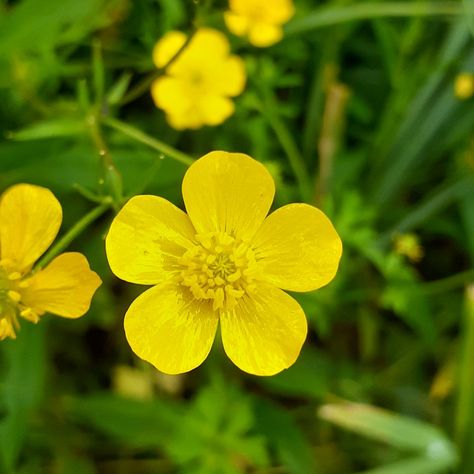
{"x": 465, "y": 402}
{"x": 363, "y": 11}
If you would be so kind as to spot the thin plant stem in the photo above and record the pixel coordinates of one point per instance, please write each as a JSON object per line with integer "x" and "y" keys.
{"x": 146, "y": 82}
{"x": 268, "y": 109}
{"x": 152, "y": 142}
{"x": 74, "y": 232}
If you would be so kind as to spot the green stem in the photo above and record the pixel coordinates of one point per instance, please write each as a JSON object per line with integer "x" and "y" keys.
{"x": 450, "y": 283}
{"x": 142, "y": 137}
{"x": 363, "y": 11}
{"x": 73, "y": 232}
{"x": 268, "y": 109}
{"x": 146, "y": 82}
{"x": 465, "y": 403}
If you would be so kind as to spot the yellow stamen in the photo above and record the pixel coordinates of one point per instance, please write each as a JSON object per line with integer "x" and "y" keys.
{"x": 218, "y": 268}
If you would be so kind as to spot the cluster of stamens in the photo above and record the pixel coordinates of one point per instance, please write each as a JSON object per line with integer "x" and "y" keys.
{"x": 219, "y": 268}
{"x": 11, "y": 305}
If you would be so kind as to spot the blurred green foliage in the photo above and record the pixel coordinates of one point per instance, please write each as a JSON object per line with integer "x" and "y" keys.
{"x": 353, "y": 111}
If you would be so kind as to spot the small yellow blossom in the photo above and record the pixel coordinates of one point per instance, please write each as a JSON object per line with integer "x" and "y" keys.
{"x": 409, "y": 245}
{"x": 30, "y": 217}
{"x": 260, "y": 20}
{"x": 223, "y": 262}
{"x": 197, "y": 85}
{"x": 464, "y": 86}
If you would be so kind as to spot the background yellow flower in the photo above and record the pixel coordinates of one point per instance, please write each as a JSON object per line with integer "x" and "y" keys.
{"x": 197, "y": 86}
{"x": 260, "y": 20}
{"x": 30, "y": 218}
{"x": 224, "y": 261}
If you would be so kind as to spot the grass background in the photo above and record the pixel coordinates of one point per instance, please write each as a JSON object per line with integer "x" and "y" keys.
{"x": 353, "y": 111}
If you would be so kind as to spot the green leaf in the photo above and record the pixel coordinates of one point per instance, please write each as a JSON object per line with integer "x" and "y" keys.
{"x": 398, "y": 431}
{"x": 21, "y": 390}
{"x": 143, "y": 424}
{"x": 51, "y": 128}
{"x": 284, "y": 435}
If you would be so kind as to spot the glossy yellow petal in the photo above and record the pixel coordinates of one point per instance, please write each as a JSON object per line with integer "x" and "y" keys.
{"x": 265, "y": 34}
{"x": 263, "y": 334}
{"x": 30, "y": 218}
{"x": 237, "y": 24}
{"x": 146, "y": 238}
{"x": 297, "y": 248}
{"x": 167, "y": 327}
{"x": 228, "y": 192}
{"x": 65, "y": 287}
{"x": 167, "y": 47}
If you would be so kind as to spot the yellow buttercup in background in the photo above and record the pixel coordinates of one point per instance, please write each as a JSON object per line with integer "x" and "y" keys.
{"x": 30, "y": 218}
{"x": 198, "y": 85}
{"x": 224, "y": 261}
{"x": 260, "y": 20}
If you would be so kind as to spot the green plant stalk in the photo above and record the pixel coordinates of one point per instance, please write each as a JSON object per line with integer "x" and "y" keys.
{"x": 152, "y": 142}
{"x": 74, "y": 232}
{"x": 465, "y": 402}
{"x": 145, "y": 84}
{"x": 283, "y": 135}
{"x": 112, "y": 177}
{"x": 364, "y": 11}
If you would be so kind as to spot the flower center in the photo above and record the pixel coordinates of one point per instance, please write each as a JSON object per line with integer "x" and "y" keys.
{"x": 219, "y": 268}
{"x": 11, "y": 285}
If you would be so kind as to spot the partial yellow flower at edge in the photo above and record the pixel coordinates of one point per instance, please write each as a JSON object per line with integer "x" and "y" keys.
{"x": 464, "y": 86}
{"x": 30, "y": 218}
{"x": 224, "y": 262}
{"x": 260, "y": 20}
{"x": 197, "y": 88}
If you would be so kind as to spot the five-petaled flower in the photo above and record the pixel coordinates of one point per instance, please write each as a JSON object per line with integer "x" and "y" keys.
{"x": 224, "y": 261}
{"x": 30, "y": 217}
{"x": 198, "y": 84}
{"x": 260, "y": 20}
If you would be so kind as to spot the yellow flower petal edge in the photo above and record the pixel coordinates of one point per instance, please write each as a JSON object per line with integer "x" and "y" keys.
{"x": 64, "y": 288}
{"x": 260, "y": 20}
{"x": 165, "y": 327}
{"x": 263, "y": 334}
{"x": 146, "y": 238}
{"x": 197, "y": 86}
{"x": 228, "y": 192}
{"x": 30, "y": 218}
{"x": 297, "y": 248}
{"x": 230, "y": 266}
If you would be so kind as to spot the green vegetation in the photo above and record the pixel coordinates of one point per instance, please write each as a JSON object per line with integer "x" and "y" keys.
{"x": 353, "y": 111}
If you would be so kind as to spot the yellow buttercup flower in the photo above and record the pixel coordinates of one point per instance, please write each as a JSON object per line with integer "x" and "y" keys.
{"x": 464, "y": 86}
{"x": 198, "y": 85}
{"x": 30, "y": 217}
{"x": 260, "y": 20}
{"x": 224, "y": 261}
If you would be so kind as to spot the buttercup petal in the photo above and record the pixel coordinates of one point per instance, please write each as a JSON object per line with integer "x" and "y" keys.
{"x": 237, "y": 24}
{"x": 263, "y": 334}
{"x": 297, "y": 248}
{"x": 265, "y": 34}
{"x": 65, "y": 287}
{"x": 168, "y": 328}
{"x": 167, "y": 47}
{"x": 171, "y": 94}
{"x": 230, "y": 76}
{"x": 215, "y": 109}
{"x": 228, "y": 192}
{"x": 30, "y": 218}
{"x": 146, "y": 238}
